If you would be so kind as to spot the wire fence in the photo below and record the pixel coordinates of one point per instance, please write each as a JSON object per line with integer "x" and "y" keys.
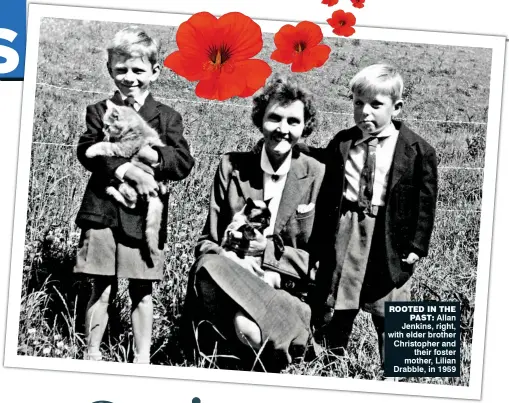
{"x": 219, "y": 154}
{"x": 236, "y": 105}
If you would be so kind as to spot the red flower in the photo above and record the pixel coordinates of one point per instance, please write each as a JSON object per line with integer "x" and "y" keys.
{"x": 342, "y": 23}
{"x": 217, "y": 53}
{"x": 300, "y": 46}
{"x": 330, "y": 3}
{"x": 358, "y": 3}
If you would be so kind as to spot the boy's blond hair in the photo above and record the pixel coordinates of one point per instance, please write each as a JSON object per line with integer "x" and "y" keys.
{"x": 134, "y": 42}
{"x": 378, "y": 79}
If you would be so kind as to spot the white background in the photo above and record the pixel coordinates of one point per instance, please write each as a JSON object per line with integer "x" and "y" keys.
{"x": 466, "y": 16}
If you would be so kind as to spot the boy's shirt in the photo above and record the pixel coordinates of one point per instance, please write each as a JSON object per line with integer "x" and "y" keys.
{"x": 138, "y": 102}
{"x": 356, "y": 160}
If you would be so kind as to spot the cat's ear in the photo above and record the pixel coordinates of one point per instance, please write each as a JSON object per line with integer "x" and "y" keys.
{"x": 267, "y": 202}
{"x": 250, "y": 204}
{"x": 112, "y": 108}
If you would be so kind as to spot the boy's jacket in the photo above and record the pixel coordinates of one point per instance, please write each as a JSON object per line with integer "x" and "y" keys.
{"x": 410, "y": 204}
{"x": 99, "y": 210}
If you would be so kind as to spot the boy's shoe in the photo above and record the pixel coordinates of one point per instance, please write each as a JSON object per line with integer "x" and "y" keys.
{"x": 140, "y": 359}
{"x": 393, "y": 379}
{"x": 93, "y": 356}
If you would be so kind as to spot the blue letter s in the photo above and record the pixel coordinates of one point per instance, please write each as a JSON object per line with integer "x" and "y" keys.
{"x": 11, "y": 56}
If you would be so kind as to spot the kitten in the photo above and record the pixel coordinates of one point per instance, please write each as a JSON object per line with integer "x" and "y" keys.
{"x": 254, "y": 216}
{"x": 125, "y": 134}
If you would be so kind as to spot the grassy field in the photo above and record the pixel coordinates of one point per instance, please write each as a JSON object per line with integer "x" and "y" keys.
{"x": 446, "y": 101}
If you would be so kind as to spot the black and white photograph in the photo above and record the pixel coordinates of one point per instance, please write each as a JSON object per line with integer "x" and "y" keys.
{"x": 191, "y": 231}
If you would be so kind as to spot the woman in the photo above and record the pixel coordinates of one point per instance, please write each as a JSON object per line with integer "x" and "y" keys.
{"x": 233, "y": 294}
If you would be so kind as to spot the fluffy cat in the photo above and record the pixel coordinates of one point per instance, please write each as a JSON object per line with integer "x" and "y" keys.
{"x": 125, "y": 134}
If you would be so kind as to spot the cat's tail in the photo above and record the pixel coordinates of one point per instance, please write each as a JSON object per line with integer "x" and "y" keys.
{"x": 154, "y": 216}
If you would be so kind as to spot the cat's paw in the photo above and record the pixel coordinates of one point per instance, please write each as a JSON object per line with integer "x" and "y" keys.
{"x": 163, "y": 189}
{"x": 102, "y": 148}
{"x": 129, "y": 193}
{"x": 92, "y": 151}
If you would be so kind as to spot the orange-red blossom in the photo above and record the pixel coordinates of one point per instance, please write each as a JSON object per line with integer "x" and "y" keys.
{"x": 342, "y": 23}
{"x": 300, "y": 46}
{"x": 217, "y": 53}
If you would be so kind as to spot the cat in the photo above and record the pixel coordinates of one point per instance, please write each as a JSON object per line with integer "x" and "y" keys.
{"x": 254, "y": 216}
{"x": 126, "y": 132}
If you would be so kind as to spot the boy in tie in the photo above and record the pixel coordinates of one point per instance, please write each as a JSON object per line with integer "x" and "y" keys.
{"x": 112, "y": 243}
{"x": 381, "y": 186}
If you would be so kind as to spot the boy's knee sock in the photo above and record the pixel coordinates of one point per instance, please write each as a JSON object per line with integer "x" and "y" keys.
{"x": 340, "y": 328}
{"x": 379, "y": 322}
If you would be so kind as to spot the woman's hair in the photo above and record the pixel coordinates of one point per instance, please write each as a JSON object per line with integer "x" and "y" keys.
{"x": 134, "y": 42}
{"x": 378, "y": 79}
{"x": 284, "y": 90}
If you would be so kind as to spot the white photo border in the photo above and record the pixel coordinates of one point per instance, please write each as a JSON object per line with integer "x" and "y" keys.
{"x": 473, "y": 391}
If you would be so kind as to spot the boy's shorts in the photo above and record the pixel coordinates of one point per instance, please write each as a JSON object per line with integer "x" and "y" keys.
{"x": 104, "y": 254}
{"x": 365, "y": 281}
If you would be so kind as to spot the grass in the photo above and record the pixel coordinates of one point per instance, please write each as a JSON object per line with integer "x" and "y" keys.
{"x": 446, "y": 101}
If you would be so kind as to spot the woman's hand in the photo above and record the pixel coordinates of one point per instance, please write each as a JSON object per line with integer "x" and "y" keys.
{"x": 256, "y": 246}
{"x": 143, "y": 182}
{"x": 272, "y": 278}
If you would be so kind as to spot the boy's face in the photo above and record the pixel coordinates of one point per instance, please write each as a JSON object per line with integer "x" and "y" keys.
{"x": 132, "y": 75}
{"x": 374, "y": 112}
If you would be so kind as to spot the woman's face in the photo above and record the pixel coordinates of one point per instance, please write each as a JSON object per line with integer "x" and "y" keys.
{"x": 282, "y": 127}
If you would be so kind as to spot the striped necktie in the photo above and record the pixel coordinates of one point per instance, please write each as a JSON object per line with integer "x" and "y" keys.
{"x": 368, "y": 175}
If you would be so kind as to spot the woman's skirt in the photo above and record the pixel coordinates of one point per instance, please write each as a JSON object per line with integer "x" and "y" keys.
{"x": 219, "y": 288}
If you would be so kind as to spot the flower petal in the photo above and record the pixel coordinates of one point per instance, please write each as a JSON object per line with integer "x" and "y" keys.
{"x": 243, "y": 79}
{"x": 189, "y": 68}
{"x": 350, "y": 19}
{"x": 219, "y": 87}
{"x": 310, "y": 58}
{"x": 358, "y": 3}
{"x": 319, "y": 54}
{"x": 340, "y": 15}
{"x": 344, "y": 30}
{"x": 301, "y": 63}
{"x": 195, "y": 35}
{"x": 285, "y": 38}
{"x": 241, "y": 34}
{"x": 256, "y": 73}
{"x": 282, "y": 56}
{"x": 310, "y": 32}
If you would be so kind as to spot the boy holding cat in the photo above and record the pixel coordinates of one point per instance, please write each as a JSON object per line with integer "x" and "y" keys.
{"x": 381, "y": 189}
{"x": 112, "y": 243}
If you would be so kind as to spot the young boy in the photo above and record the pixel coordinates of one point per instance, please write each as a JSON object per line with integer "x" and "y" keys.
{"x": 112, "y": 243}
{"x": 380, "y": 197}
